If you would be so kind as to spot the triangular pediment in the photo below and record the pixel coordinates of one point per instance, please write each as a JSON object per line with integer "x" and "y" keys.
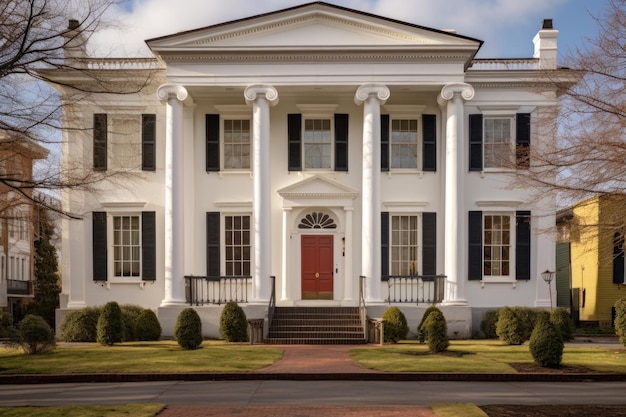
{"x": 317, "y": 187}
{"x": 314, "y": 26}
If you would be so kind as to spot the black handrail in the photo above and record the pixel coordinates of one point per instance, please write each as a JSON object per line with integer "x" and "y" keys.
{"x": 272, "y": 303}
{"x": 362, "y": 306}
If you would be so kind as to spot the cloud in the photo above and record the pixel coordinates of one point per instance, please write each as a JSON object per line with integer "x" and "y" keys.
{"x": 504, "y": 25}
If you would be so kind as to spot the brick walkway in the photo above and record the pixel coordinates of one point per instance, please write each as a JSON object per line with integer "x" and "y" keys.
{"x": 306, "y": 359}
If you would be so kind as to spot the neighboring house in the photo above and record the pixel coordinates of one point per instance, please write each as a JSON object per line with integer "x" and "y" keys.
{"x": 590, "y": 259}
{"x": 17, "y": 156}
{"x": 316, "y": 144}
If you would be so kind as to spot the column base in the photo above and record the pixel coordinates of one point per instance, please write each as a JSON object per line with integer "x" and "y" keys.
{"x": 173, "y": 303}
{"x": 460, "y": 302}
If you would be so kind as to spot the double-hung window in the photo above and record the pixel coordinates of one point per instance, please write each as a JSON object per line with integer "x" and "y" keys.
{"x": 126, "y": 246}
{"x": 497, "y": 245}
{"x": 408, "y": 139}
{"x": 317, "y": 144}
{"x": 237, "y": 144}
{"x": 499, "y": 145}
{"x": 404, "y": 245}
{"x": 403, "y": 144}
{"x": 237, "y": 245}
{"x": 229, "y": 139}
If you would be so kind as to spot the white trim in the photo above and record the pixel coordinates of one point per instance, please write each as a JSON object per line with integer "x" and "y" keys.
{"x": 116, "y": 207}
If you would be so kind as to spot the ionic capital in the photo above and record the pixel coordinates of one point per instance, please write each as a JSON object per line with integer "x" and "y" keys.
{"x": 365, "y": 91}
{"x": 252, "y": 92}
{"x": 449, "y": 90}
{"x": 167, "y": 91}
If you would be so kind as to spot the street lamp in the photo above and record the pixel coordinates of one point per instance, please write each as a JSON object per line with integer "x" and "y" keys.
{"x": 548, "y": 276}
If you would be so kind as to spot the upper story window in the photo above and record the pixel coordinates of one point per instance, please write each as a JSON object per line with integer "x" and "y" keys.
{"x": 499, "y": 141}
{"x": 408, "y": 139}
{"x": 317, "y": 141}
{"x": 237, "y": 144}
{"x": 229, "y": 139}
{"x": 403, "y": 144}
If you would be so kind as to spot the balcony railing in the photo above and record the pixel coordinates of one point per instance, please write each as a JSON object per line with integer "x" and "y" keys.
{"x": 419, "y": 289}
{"x": 201, "y": 290}
{"x": 17, "y": 287}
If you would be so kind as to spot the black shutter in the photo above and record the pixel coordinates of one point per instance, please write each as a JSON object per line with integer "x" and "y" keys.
{"x": 341, "y": 142}
{"x": 148, "y": 142}
{"x": 213, "y": 244}
{"x": 429, "y": 244}
{"x": 384, "y": 246}
{"x": 475, "y": 142}
{"x": 99, "y": 245}
{"x": 475, "y": 250}
{"x": 100, "y": 142}
{"x": 148, "y": 245}
{"x": 522, "y": 246}
{"x": 294, "y": 138}
{"x": 618, "y": 259}
{"x": 522, "y": 139}
{"x": 212, "y": 142}
{"x": 384, "y": 142}
{"x": 429, "y": 142}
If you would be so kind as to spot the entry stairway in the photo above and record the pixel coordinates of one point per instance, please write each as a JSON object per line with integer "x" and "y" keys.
{"x": 316, "y": 326}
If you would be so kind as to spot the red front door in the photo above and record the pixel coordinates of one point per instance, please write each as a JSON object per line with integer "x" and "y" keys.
{"x": 317, "y": 267}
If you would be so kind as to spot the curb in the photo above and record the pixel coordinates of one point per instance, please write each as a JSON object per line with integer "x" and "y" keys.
{"x": 260, "y": 376}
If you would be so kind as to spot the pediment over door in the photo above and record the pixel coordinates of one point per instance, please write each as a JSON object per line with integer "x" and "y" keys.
{"x": 317, "y": 190}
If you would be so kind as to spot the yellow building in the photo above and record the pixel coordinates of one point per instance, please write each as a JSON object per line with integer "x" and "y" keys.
{"x": 594, "y": 230}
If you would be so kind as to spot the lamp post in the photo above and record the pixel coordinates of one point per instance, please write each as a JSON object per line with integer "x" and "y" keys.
{"x": 548, "y": 276}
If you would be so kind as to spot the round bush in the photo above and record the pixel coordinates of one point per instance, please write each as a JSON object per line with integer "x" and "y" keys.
{"x": 546, "y": 345}
{"x": 620, "y": 319}
{"x": 233, "y": 323}
{"x": 35, "y": 335}
{"x": 81, "y": 325}
{"x": 437, "y": 332}
{"x": 147, "y": 326}
{"x": 130, "y": 312}
{"x": 110, "y": 324}
{"x": 527, "y": 317}
{"x": 188, "y": 329}
{"x": 562, "y": 321}
{"x": 488, "y": 324}
{"x": 7, "y": 329}
{"x": 395, "y": 325}
{"x": 510, "y": 328}
{"x": 421, "y": 331}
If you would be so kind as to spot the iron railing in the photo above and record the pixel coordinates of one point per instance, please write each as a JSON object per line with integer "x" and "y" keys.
{"x": 418, "y": 289}
{"x": 18, "y": 287}
{"x": 201, "y": 290}
{"x": 272, "y": 303}
{"x": 362, "y": 306}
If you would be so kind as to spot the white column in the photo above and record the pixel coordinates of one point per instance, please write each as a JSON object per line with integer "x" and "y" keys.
{"x": 174, "y": 214}
{"x": 348, "y": 271}
{"x": 261, "y": 97}
{"x": 372, "y": 95}
{"x": 286, "y": 287}
{"x": 455, "y": 216}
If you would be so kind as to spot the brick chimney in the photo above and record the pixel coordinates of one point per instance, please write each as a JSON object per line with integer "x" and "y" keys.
{"x": 545, "y": 45}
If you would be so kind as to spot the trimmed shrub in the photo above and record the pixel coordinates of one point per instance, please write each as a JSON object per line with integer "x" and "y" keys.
{"x": 110, "y": 324}
{"x": 437, "y": 332}
{"x": 130, "y": 312}
{"x": 528, "y": 318}
{"x": 81, "y": 325}
{"x": 395, "y": 325}
{"x": 35, "y": 335}
{"x": 147, "y": 326}
{"x": 421, "y": 331}
{"x": 188, "y": 329}
{"x": 620, "y": 319}
{"x": 233, "y": 323}
{"x": 488, "y": 324}
{"x": 562, "y": 320}
{"x": 510, "y": 328}
{"x": 546, "y": 345}
{"x": 7, "y": 329}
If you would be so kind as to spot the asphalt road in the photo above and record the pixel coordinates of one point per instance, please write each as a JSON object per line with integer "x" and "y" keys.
{"x": 234, "y": 393}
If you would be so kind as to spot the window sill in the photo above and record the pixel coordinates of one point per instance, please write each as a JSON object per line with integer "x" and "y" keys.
{"x": 234, "y": 172}
{"x": 413, "y": 172}
{"x": 116, "y": 281}
{"x": 510, "y": 281}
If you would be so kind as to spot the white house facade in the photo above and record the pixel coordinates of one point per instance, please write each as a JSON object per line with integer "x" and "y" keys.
{"x": 355, "y": 158}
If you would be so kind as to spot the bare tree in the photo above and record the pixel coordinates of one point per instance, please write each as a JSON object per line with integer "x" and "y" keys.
{"x": 588, "y": 157}
{"x": 44, "y": 69}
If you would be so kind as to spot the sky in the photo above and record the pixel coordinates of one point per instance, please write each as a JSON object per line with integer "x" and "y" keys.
{"x": 507, "y": 27}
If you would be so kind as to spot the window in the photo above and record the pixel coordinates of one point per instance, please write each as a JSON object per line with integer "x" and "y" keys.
{"x": 100, "y": 127}
{"x": 317, "y": 144}
{"x": 237, "y": 245}
{"x": 498, "y": 142}
{"x": 408, "y": 244}
{"x": 126, "y": 246}
{"x": 2, "y": 268}
{"x": 404, "y": 245}
{"x": 403, "y": 144}
{"x": 125, "y": 142}
{"x": 497, "y": 245}
{"x": 236, "y": 144}
{"x": 130, "y": 144}
{"x": 618, "y": 258}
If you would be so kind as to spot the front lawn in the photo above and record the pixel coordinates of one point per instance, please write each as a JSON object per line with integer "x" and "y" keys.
{"x": 162, "y": 356}
{"x": 135, "y": 410}
{"x": 486, "y": 356}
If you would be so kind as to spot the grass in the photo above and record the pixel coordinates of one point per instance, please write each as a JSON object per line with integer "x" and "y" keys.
{"x": 478, "y": 356}
{"x": 135, "y": 410}
{"x": 457, "y": 410}
{"x": 162, "y": 356}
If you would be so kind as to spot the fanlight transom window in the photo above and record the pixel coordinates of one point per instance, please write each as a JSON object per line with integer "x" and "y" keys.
{"x": 317, "y": 220}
